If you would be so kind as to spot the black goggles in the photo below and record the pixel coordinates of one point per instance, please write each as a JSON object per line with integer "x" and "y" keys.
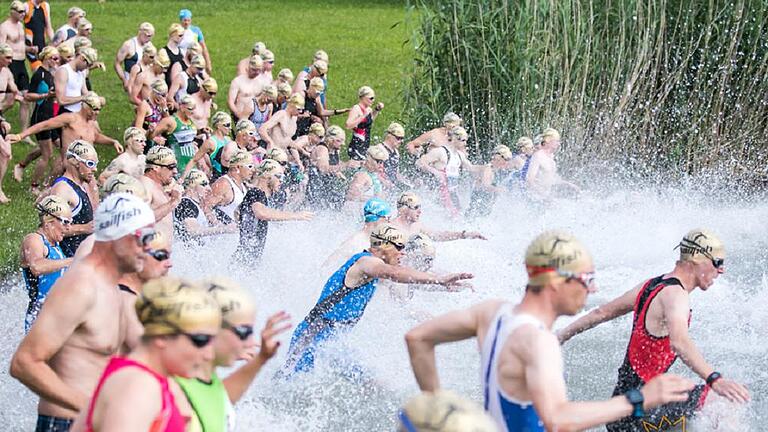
{"x": 160, "y": 254}
{"x": 242, "y": 332}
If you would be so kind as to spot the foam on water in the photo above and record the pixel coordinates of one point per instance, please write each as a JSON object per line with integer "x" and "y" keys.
{"x": 631, "y": 233}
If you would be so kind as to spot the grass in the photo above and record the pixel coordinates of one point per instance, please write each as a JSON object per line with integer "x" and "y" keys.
{"x": 365, "y": 47}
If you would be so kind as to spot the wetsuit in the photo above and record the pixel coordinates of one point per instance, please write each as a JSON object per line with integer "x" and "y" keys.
{"x": 130, "y": 62}
{"x": 38, "y": 286}
{"x": 168, "y": 420}
{"x": 647, "y": 357}
{"x": 361, "y": 138}
{"x": 481, "y": 201}
{"x": 42, "y": 83}
{"x": 510, "y": 414}
{"x": 338, "y": 309}
{"x": 303, "y": 123}
{"x": 182, "y": 141}
{"x": 187, "y": 209}
{"x": 253, "y": 231}
{"x": 20, "y": 76}
{"x": 34, "y": 28}
{"x": 215, "y": 157}
{"x": 325, "y": 190}
{"x": 175, "y": 58}
{"x": 210, "y": 401}
{"x": 81, "y": 214}
{"x": 190, "y": 87}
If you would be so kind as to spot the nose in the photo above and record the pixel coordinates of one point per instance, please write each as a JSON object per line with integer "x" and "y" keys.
{"x": 208, "y": 353}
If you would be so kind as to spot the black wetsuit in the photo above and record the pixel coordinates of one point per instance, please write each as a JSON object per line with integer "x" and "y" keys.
{"x": 361, "y": 139}
{"x": 303, "y": 123}
{"x": 324, "y": 190}
{"x": 42, "y": 82}
{"x": 81, "y": 214}
{"x": 35, "y": 23}
{"x": 175, "y": 58}
{"x": 481, "y": 201}
{"x": 253, "y": 231}
{"x": 187, "y": 209}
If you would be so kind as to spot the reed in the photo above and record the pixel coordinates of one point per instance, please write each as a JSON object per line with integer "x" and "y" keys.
{"x": 664, "y": 86}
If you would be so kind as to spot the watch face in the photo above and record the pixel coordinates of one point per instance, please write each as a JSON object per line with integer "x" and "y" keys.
{"x": 635, "y": 397}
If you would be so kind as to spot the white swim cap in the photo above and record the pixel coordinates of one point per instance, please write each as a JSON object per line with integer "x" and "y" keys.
{"x": 121, "y": 214}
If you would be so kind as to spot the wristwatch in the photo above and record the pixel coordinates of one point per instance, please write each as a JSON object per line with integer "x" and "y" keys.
{"x": 636, "y": 399}
{"x": 714, "y": 376}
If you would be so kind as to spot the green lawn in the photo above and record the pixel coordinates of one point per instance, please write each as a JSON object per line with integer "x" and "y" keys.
{"x": 365, "y": 46}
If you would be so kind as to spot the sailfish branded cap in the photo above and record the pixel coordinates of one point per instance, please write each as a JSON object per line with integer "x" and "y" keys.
{"x": 121, "y": 214}
{"x": 552, "y": 252}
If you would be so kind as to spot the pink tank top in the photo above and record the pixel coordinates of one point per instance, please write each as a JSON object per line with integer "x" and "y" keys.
{"x": 169, "y": 419}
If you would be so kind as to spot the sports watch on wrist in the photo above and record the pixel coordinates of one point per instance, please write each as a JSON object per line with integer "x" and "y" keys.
{"x": 636, "y": 399}
{"x": 714, "y": 376}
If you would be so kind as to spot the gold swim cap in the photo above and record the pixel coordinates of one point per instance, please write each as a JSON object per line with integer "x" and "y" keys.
{"x": 73, "y": 11}
{"x": 296, "y": 100}
{"x": 160, "y": 240}
{"x": 175, "y": 29}
{"x": 317, "y": 84}
{"x": 161, "y": 156}
{"x": 93, "y": 101}
{"x": 198, "y": 61}
{"x": 268, "y": 56}
{"x": 701, "y": 245}
{"x": 378, "y": 152}
{"x": 244, "y": 125}
{"x": 84, "y": 24}
{"x": 408, "y": 199}
{"x": 256, "y": 62}
{"x": 286, "y": 75}
{"x": 524, "y": 143}
{"x": 196, "y": 178}
{"x": 234, "y": 302}
{"x": 162, "y": 59}
{"x": 147, "y": 28}
{"x": 258, "y": 48}
{"x": 277, "y": 154}
{"x": 321, "y": 55}
{"x": 270, "y": 90}
{"x": 133, "y": 132}
{"x": 317, "y": 130}
{"x": 149, "y": 49}
{"x": 284, "y": 89}
{"x": 269, "y": 167}
{"x": 221, "y": 117}
{"x": 240, "y": 158}
{"x": 387, "y": 235}
{"x": 396, "y": 129}
{"x": 48, "y": 51}
{"x": 91, "y": 55}
{"x": 83, "y": 149}
{"x": 195, "y": 49}
{"x": 168, "y": 306}
{"x": 443, "y": 411}
{"x": 420, "y": 244}
{"x": 122, "y": 182}
{"x": 66, "y": 50}
{"x": 159, "y": 86}
{"x": 54, "y": 205}
{"x": 451, "y": 119}
{"x": 365, "y": 91}
{"x": 554, "y": 251}
{"x": 321, "y": 66}
{"x": 458, "y": 132}
{"x": 502, "y": 151}
{"x": 210, "y": 85}
{"x": 335, "y": 131}
{"x": 188, "y": 102}
{"x": 5, "y": 49}
{"x": 550, "y": 133}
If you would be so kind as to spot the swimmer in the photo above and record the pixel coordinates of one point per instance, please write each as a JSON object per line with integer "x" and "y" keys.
{"x": 214, "y": 146}
{"x": 187, "y": 81}
{"x": 263, "y": 106}
{"x": 229, "y": 190}
{"x": 81, "y": 325}
{"x": 143, "y": 82}
{"x": 180, "y": 321}
{"x": 434, "y": 138}
{"x": 523, "y": 376}
{"x": 173, "y": 50}
{"x": 393, "y": 138}
{"x": 242, "y": 66}
{"x": 661, "y": 316}
{"x": 279, "y": 130}
{"x": 189, "y": 220}
{"x": 301, "y": 148}
{"x": 443, "y": 411}
{"x": 132, "y": 161}
{"x": 360, "y": 121}
{"x": 542, "y": 173}
{"x": 194, "y": 35}
{"x": 348, "y": 291}
{"x": 42, "y": 260}
{"x": 212, "y": 398}
{"x": 179, "y": 131}
{"x": 488, "y": 183}
{"x": 325, "y": 173}
{"x": 376, "y": 212}
{"x": 284, "y": 76}
{"x": 409, "y": 213}
{"x": 204, "y": 103}
{"x": 127, "y": 56}
{"x": 244, "y": 88}
{"x": 68, "y": 30}
{"x": 318, "y": 69}
{"x": 158, "y": 177}
{"x": 12, "y": 33}
{"x": 367, "y": 181}
{"x": 152, "y": 110}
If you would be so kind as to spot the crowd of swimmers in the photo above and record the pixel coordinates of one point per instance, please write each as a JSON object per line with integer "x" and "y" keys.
{"x": 115, "y": 343}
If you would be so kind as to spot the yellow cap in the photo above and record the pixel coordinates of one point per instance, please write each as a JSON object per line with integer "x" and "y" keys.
{"x": 286, "y": 75}
{"x": 420, "y": 244}
{"x": 48, "y": 51}
{"x": 169, "y": 305}
{"x": 159, "y": 86}
{"x": 83, "y": 149}
{"x": 554, "y": 251}
{"x": 317, "y": 84}
{"x": 321, "y": 55}
{"x": 220, "y": 117}
{"x": 317, "y": 130}
{"x": 66, "y": 50}
{"x": 90, "y": 54}
{"x": 550, "y": 133}
{"x": 365, "y": 91}
{"x": 502, "y": 151}
{"x": 321, "y": 66}
{"x": 195, "y": 178}
{"x": 73, "y": 11}
{"x": 258, "y": 48}
{"x": 267, "y": 56}
{"x": 378, "y": 152}
{"x": 149, "y": 49}
{"x": 458, "y": 132}
{"x": 17, "y": 5}
{"x": 5, "y": 49}
{"x": 188, "y": 102}
{"x": 147, "y": 28}
{"x": 387, "y": 235}
{"x": 524, "y": 143}
{"x": 444, "y": 411}
{"x": 244, "y": 125}
{"x": 256, "y": 62}
{"x": 162, "y": 59}
{"x": 408, "y": 199}
{"x": 94, "y": 101}
{"x": 198, "y": 61}
{"x": 335, "y": 131}
{"x": 161, "y": 156}
{"x": 701, "y": 245}
{"x": 296, "y": 100}
{"x": 269, "y": 167}
{"x": 284, "y": 89}
{"x": 84, "y": 24}
{"x": 122, "y": 182}
{"x": 80, "y": 43}
{"x": 133, "y": 133}
{"x": 175, "y": 29}
{"x": 396, "y": 129}
{"x": 210, "y": 85}
{"x": 277, "y": 154}
{"x": 240, "y": 158}
{"x": 451, "y": 119}
{"x": 270, "y": 90}
{"x": 234, "y": 302}
{"x": 54, "y": 205}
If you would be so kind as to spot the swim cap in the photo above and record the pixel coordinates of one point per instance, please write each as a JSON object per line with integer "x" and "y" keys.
{"x": 388, "y": 234}
{"x": 269, "y": 167}
{"x": 317, "y": 84}
{"x": 169, "y": 305}
{"x": 175, "y": 29}
{"x": 120, "y": 214}
{"x": 234, "y": 302}
{"x": 161, "y": 156}
{"x": 90, "y": 54}
{"x": 160, "y": 240}
{"x": 408, "y": 199}
{"x": 258, "y": 48}
{"x": 198, "y": 61}
{"x": 451, "y": 119}
{"x": 66, "y": 50}
{"x": 701, "y": 245}
{"x": 149, "y": 49}
{"x": 210, "y": 85}
{"x": 133, "y": 133}
{"x": 240, "y": 158}
{"x": 321, "y": 66}
{"x": 124, "y": 183}
{"x": 270, "y": 90}
{"x": 375, "y": 209}
{"x": 296, "y": 100}
{"x": 277, "y": 154}
{"x": 147, "y": 27}
{"x": 188, "y": 102}
{"x": 194, "y": 49}
{"x": 5, "y": 49}
{"x": 316, "y": 129}
{"x": 185, "y": 13}
{"x": 335, "y": 131}
{"x": 378, "y": 152}
{"x": 84, "y": 24}
{"x": 285, "y": 74}
{"x": 162, "y": 59}
{"x": 321, "y": 55}
{"x": 396, "y": 130}
{"x": 244, "y": 125}
{"x": 524, "y": 143}
{"x": 73, "y": 11}
{"x": 420, "y": 244}
{"x": 550, "y": 133}
{"x": 93, "y": 101}
{"x": 159, "y": 86}
{"x": 365, "y": 91}
{"x": 443, "y": 411}
{"x": 502, "y": 151}
{"x": 554, "y": 251}
{"x": 221, "y": 117}
{"x": 458, "y": 133}
{"x": 267, "y": 56}
{"x": 256, "y": 62}
{"x": 54, "y": 205}
{"x": 284, "y": 89}
{"x": 17, "y": 5}
{"x": 196, "y": 178}
{"x": 82, "y": 149}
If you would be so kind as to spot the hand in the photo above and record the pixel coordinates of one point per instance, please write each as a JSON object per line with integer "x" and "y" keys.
{"x": 473, "y": 235}
{"x": 379, "y": 106}
{"x": 89, "y": 226}
{"x": 276, "y": 324}
{"x": 304, "y": 216}
{"x": 731, "y": 390}
{"x": 454, "y": 278}
{"x": 33, "y": 49}
{"x": 159, "y": 140}
{"x": 118, "y": 147}
{"x": 664, "y": 389}
{"x": 460, "y": 286}
{"x": 51, "y": 93}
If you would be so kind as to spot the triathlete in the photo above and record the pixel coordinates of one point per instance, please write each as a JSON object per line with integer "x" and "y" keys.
{"x": 376, "y": 212}
{"x": 489, "y": 182}
{"x": 257, "y": 50}
{"x": 42, "y": 260}
{"x": 409, "y": 213}
{"x": 193, "y": 34}
{"x": 263, "y": 105}
{"x": 189, "y": 220}
{"x": 145, "y": 65}
{"x": 83, "y": 321}
{"x": 132, "y": 161}
{"x": 152, "y": 110}
{"x": 12, "y": 33}
{"x": 281, "y": 127}
{"x": 443, "y": 411}
{"x": 229, "y": 190}
{"x": 661, "y": 316}
{"x": 69, "y": 81}
{"x": 187, "y": 81}
{"x": 542, "y": 173}
{"x": 209, "y": 88}
{"x": 393, "y": 138}
{"x": 141, "y": 90}
{"x": 522, "y": 364}
{"x": 213, "y": 147}
{"x": 325, "y": 186}
{"x": 445, "y": 164}
{"x": 128, "y": 55}
{"x": 360, "y": 121}
{"x": 244, "y": 88}
{"x": 268, "y": 57}
{"x": 175, "y": 55}
{"x": 437, "y": 137}
{"x": 314, "y": 110}
{"x": 38, "y": 28}
{"x": 367, "y": 181}
{"x": 180, "y": 132}
{"x": 68, "y": 30}
{"x": 164, "y": 194}
{"x": 348, "y": 291}
{"x": 318, "y": 69}
{"x": 284, "y": 76}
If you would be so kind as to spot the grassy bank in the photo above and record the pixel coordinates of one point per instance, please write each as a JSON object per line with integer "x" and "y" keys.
{"x": 365, "y": 48}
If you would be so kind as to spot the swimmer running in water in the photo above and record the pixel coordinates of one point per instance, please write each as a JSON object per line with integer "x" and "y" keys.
{"x": 542, "y": 175}
{"x": 348, "y": 291}
{"x": 376, "y": 212}
{"x": 661, "y": 316}
{"x": 409, "y": 213}
{"x": 522, "y": 365}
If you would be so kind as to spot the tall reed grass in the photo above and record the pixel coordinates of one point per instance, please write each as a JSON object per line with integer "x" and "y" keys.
{"x": 665, "y": 86}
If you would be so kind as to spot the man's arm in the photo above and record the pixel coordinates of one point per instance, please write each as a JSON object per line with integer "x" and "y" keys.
{"x": 64, "y": 309}
{"x": 34, "y": 253}
{"x": 48, "y": 26}
{"x": 533, "y": 171}
{"x": 425, "y": 162}
{"x": 207, "y": 57}
{"x": 617, "y": 307}
{"x": 134, "y": 92}
{"x": 442, "y": 236}
{"x": 60, "y": 83}
{"x": 376, "y": 268}
{"x": 266, "y": 128}
{"x": 414, "y": 147}
{"x": 234, "y": 90}
{"x": 269, "y": 214}
{"x": 122, "y": 53}
{"x": 100, "y": 138}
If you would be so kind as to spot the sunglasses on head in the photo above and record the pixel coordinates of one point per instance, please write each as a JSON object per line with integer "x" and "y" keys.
{"x": 243, "y": 332}
{"x": 159, "y": 254}
{"x": 586, "y": 279}
{"x": 90, "y": 164}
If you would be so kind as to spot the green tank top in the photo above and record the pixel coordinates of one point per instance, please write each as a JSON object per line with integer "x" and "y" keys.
{"x": 182, "y": 142}
{"x": 375, "y": 187}
{"x": 215, "y": 156}
{"x": 210, "y": 402}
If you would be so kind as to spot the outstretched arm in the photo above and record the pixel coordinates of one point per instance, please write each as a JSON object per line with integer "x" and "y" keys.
{"x": 617, "y": 307}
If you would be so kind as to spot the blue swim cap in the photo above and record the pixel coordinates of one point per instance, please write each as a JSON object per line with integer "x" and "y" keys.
{"x": 185, "y": 13}
{"x": 375, "y": 209}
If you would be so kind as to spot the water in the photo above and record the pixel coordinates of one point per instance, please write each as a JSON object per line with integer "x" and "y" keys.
{"x": 631, "y": 232}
